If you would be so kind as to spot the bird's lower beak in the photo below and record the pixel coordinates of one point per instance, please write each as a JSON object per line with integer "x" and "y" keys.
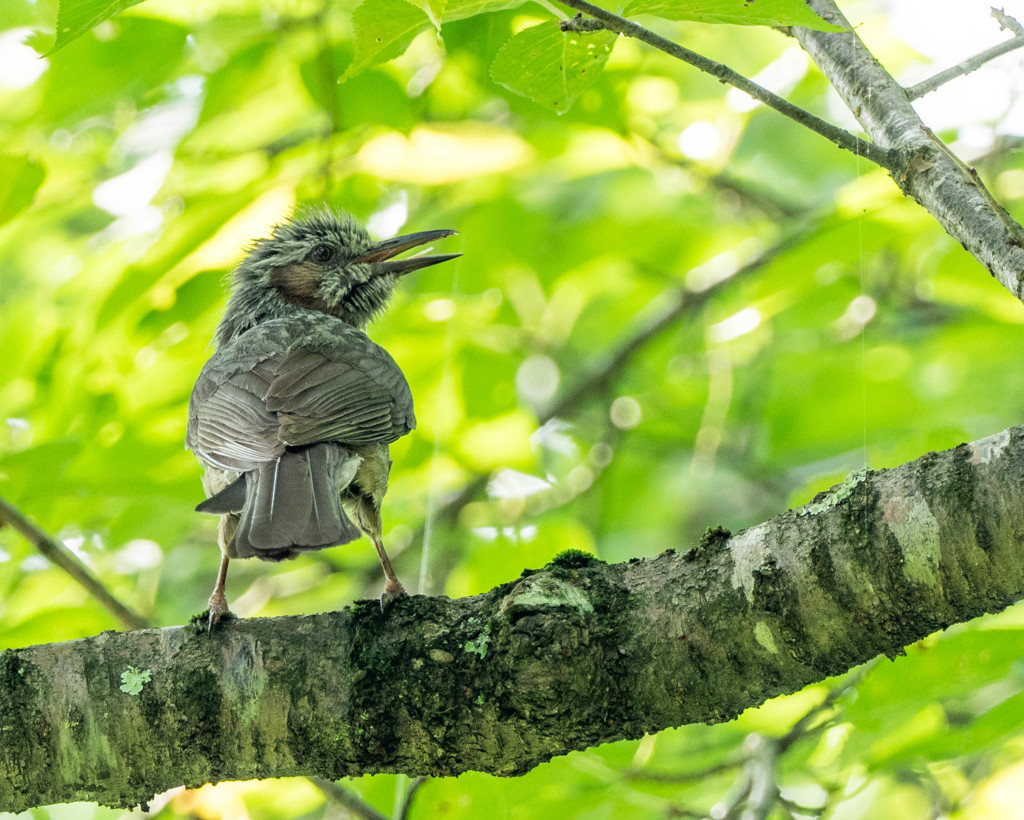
{"x": 380, "y": 254}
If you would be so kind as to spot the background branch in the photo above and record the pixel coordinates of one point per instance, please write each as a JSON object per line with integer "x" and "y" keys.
{"x": 64, "y": 558}
{"x": 348, "y": 799}
{"x": 975, "y": 62}
{"x": 683, "y": 303}
{"x": 833, "y": 133}
{"x": 926, "y": 169}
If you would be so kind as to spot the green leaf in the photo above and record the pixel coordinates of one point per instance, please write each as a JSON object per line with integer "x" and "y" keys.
{"x": 383, "y": 31}
{"x": 737, "y": 12}
{"x": 20, "y": 178}
{"x": 551, "y": 67}
{"x": 75, "y": 17}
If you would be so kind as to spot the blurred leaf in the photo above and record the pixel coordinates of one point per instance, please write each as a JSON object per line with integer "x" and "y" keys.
{"x": 434, "y": 9}
{"x": 737, "y": 12}
{"x": 19, "y": 13}
{"x": 135, "y": 62}
{"x": 550, "y": 67}
{"x": 236, "y": 77}
{"x": 75, "y": 17}
{"x": 930, "y": 702}
{"x": 20, "y": 178}
{"x": 186, "y": 236}
{"x": 462, "y": 9}
{"x": 37, "y": 470}
{"x": 201, "y": 293}
{"x": 384, "y": 28}
{"x": 373, "y": 96}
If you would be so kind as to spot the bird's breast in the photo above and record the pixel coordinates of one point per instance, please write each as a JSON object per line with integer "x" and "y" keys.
{"x": 371, "y": 478}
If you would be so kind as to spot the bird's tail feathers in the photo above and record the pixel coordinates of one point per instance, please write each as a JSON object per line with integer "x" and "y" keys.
{"x": 292, "y": 504}
{"x": 229, "y": 500}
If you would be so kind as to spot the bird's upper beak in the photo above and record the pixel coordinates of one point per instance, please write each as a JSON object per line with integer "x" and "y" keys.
{"x": 380, "y": 254}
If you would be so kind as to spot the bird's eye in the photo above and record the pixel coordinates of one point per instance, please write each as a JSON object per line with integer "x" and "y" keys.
{"x": 322, "y": 254}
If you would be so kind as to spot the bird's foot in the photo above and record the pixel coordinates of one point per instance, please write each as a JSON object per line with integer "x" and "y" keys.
{"x": 217, "y": 609}
{"x": 393, "y": 590}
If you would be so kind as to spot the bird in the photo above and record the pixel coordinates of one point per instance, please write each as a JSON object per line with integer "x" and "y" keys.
{"x": 292, "y": 415}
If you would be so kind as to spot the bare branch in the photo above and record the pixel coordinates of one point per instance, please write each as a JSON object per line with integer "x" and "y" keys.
{"x": 804, "y": 725}
{"x": 975, "y": 62}
{"x": 756, "y": 791}
{"x": 64, "y": 558}
{"x": 1007, "y": 22}
{"x": 833, "y": 133}
{"x": 683, "y": 302}
{"x": 682, "y": 777}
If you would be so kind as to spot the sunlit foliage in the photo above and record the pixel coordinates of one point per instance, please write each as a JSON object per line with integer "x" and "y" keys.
{"x": 138, "y": 159}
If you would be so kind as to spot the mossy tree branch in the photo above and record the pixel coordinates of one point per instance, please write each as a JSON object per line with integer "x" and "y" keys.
{"x": 564, "y": 658}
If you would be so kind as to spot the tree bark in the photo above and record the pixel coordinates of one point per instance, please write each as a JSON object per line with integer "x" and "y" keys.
{"x": 924, "y": 168}
{"x": 576, "y": 654}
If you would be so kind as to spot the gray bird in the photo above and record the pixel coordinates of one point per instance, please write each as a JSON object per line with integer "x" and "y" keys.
{"x": 293, "y": 415}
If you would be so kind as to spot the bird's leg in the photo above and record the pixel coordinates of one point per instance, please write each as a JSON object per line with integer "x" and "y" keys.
{"x": 393, "y": 588}
{"x": 218, "y": 604}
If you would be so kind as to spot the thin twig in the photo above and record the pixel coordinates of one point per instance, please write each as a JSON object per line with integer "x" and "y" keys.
{"x": 799, "y": 808}
{"x": 328, "y": 81}
{"x": 580, "y": 25}
{"x": 756, "y": 792}
{"x": 770, "y": 204}
{"x": 764, "y": 787}
{"x": 64, "y": 558}
{"x": 734, "y": 797}
{"x": 682, "y": 777}
{"x": 1007, "y": 22}
{"x": 414, "y": 786}
{"x": 975, "y": 62}
{"x": 841, "y": 137}
{"x": 803, "y": 726}
{"x": 347, "y": 799}
{"x": 674, "y": 811}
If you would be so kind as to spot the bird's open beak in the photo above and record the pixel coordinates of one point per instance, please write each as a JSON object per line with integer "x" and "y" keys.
{"x": 380, "y": 254}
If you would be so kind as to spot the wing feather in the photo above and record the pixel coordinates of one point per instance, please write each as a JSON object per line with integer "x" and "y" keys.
{"x": 294, "y": 382}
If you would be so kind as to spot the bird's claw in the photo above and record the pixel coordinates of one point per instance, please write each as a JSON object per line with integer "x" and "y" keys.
{"x": 393, "y": 590}
{"x": 217, "y": 610}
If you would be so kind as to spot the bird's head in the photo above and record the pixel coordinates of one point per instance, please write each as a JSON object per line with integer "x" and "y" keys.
{"x": 326, "y": 261}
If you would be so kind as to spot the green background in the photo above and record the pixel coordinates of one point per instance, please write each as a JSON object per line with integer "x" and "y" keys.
{"x": 154, "y": 146}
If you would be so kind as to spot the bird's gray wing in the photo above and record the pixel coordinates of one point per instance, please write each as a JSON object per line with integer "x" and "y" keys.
{"x": 351, "y": 392}
{"x": 330, "y": 383}
{"x": 229, "y": 424}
